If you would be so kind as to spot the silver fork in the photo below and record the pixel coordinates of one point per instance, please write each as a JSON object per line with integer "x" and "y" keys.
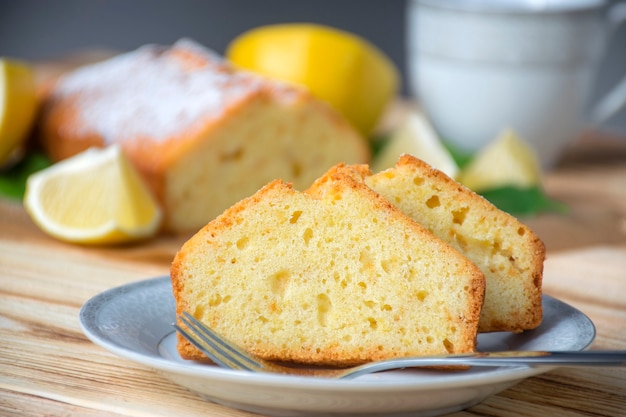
{"x": 228, "y": 355}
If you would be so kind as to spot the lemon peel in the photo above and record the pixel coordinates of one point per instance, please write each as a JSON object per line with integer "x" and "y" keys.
{"x": 341, "y": 68}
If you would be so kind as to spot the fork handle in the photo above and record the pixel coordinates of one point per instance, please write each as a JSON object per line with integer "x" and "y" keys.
{"x": 507, "y": 358}
{"x": 545, "y": 358}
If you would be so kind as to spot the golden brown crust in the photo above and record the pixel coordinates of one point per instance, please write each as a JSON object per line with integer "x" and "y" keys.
{"x": 528, "y": 315}
{"x": 337, "y": 184}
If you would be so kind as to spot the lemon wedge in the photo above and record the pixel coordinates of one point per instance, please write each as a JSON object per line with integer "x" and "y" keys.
{"x": 507, "y": 161}
{"x": 416, "y": 137}
{"x": 345, "y": 70}
{"x": 95, "y": 197}
{"x": 18, "y": 104}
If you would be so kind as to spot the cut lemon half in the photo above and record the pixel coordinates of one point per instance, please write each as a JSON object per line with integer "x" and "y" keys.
{"x": 95, "y": 197}
{"x": 507, "y": 161}
{"x": 343, "y": 69}
{"x": 416, "y": 137}
{"x": 18, "y": 105}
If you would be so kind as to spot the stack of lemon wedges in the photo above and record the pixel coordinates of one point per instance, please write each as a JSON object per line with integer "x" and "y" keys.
{"x": 508, "y": 161}
{"x": 506, "y": 171}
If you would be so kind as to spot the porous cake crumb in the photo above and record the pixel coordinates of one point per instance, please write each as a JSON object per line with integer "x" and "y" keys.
{"x": 508, "y": 252}
{"x": 335, "y": 275}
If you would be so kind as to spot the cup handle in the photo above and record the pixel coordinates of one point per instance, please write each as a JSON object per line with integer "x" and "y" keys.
{"x": 614, "y": 100}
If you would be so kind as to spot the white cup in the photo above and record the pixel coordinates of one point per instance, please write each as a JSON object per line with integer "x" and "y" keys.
{"x": 480, "y": 66}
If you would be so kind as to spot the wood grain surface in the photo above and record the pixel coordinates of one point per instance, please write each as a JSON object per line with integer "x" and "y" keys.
{"x": 49, "y": 368}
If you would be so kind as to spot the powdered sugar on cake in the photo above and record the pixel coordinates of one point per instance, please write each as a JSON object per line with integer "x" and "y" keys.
{"x": 156, "y": 92}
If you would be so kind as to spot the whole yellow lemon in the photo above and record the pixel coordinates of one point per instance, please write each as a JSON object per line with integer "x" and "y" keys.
{"x": 343, "y": 69}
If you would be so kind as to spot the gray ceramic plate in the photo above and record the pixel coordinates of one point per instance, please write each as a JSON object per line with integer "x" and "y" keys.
{"x": 135, "y": 321}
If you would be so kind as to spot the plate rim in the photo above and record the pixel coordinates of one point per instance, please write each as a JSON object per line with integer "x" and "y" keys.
{"x": 193, "y": 369}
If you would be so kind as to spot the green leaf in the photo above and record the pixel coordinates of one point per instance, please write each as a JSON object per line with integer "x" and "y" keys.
{"x": 462, "y": 158}
{"x": 523, "y": 201}
{"x": 13, "y": 181}
{"x": 378, "y": 143}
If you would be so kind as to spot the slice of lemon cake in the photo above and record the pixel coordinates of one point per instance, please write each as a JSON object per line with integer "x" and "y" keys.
{"x": 335, "y": 275}
{"x": 509, "y": 253}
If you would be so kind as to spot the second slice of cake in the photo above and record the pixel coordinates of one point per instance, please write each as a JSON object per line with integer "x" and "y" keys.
{"x": 507, "y": 251}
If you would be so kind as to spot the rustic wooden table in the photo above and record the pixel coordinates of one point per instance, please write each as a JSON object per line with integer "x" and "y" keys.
{"x": 48, "y": 367}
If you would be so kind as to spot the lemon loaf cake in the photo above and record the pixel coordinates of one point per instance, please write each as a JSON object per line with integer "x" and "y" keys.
{"x": 508, "y": 252}
{"x": 335, "y": 275}
{"x": 203, "y": 134}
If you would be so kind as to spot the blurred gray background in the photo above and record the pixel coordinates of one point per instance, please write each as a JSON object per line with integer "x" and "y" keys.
{"x": 49, "y": 29}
